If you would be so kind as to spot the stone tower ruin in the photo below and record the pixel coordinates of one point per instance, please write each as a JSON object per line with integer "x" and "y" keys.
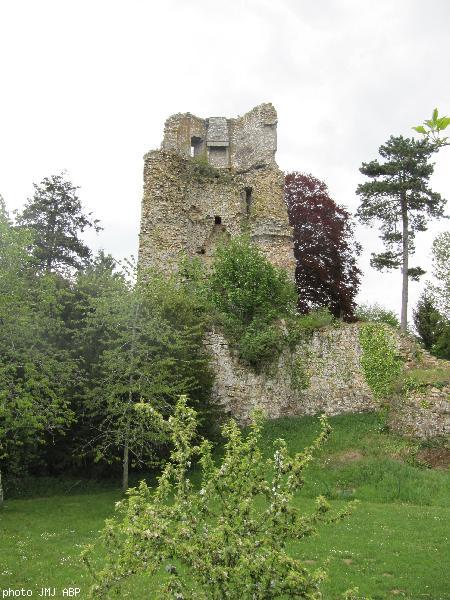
{"x": 211, "y": 180}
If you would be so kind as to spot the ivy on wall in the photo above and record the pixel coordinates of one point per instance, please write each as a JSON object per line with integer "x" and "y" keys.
{"x": 380, "y": 362}
{"x": 300, "y": 377}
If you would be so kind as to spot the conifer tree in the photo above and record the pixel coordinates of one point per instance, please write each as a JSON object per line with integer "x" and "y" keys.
{"x": 399, "y": 197}
{"x": 56, "y": 216}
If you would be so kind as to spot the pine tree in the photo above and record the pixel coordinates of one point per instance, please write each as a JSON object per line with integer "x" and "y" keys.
{"x": 399, "y": 197}
{"x": 56, "y": 216}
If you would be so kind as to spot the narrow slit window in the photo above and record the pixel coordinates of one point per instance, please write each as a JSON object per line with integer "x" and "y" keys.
{"x": 217, "y": 220}
{"x": 248, "y": 200}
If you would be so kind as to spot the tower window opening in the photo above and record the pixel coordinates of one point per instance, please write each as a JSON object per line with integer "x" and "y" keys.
{"x": 196, "y": 144}
{"x": 217, "y": 220}
{"x": 248, "y": 200}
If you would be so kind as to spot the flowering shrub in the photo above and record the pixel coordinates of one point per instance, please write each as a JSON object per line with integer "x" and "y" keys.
{"x": 226, "y": 539}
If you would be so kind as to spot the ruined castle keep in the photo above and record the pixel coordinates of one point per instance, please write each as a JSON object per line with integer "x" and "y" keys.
{"x": 211, "y": 180}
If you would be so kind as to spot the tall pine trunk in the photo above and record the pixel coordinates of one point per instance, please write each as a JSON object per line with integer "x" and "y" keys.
{"x": 1, "y": 489}
{"x": 405, "y": 250}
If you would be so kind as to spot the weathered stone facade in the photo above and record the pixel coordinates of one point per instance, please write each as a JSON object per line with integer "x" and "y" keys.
{"x": 324, "y": 375}
{"x": 213, "y": 179}
{"x": 425, "y": 412}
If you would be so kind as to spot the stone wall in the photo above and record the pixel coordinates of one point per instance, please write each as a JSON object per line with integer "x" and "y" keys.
{"x": 424, "y": 412}
{"x": 324, "y": 375}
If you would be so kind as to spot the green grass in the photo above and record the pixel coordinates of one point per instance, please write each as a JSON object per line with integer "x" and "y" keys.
{"x": 395, "y": 544}
{"x": 439, "y": 377}
{"x": 363, "y": 461}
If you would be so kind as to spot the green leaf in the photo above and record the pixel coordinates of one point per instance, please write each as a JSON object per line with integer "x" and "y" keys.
{"x": 435, "y": 115}
{"x": 420, "y": 129}
{"x": 443, "y": 122}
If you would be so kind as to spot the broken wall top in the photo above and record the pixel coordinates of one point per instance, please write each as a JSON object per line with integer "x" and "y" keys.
{"x": 242, "y": 143}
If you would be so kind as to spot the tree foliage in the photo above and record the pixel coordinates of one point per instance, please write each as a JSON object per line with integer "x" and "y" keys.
{"x": 427, "y": 320}
{"x": 324, "y": 247}
{"x": 246, "y": 286}
{"x": 251, "y": 295}
{"x": 398, "y": 196}
{"x": 375, "y": 313}
{"x": 440, "y": 289}
{"x": 56, "y": 217}
{"x": 90, "y": 354}
{"x": 151, "y": 352}
{"x": 227, "y": 539}
{"x": 36, "y": 370}
{"x": 432, "y": 313}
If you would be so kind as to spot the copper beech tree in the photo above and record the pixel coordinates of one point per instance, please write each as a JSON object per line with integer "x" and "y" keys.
{"x": 324, "y": 248}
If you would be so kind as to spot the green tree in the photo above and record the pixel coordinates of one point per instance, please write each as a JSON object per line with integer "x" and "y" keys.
{"x": 427, "y": 320}
{"x": 150, "y": 352}
{"x": 245, "y": 285}
{"x": 56, "y": 216}
{"x": 36, "y": 372}
{"x": 441, "y": 347}
{"x": 399, "y": 197}
{"x": 229, "y": 538}
{"x": 440, "y": 289}
{"x": 438, "y": 292}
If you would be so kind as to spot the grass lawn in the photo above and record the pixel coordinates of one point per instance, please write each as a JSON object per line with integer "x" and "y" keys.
{"x": 395, "y": 545}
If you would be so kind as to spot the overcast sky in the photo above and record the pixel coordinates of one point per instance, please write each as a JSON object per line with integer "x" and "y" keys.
{"x": 87, "y": 84}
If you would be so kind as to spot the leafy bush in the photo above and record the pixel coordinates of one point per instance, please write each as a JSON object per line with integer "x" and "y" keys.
{"x": 246, "y": 285}
{"x": 259, "y": 344}
{"x": 251, "y": 295}
{"x": 226, "y": 540}
{"x": 302, "y": 326}
{"x": 200, "y": 170}
{"x": 375, "y": 313}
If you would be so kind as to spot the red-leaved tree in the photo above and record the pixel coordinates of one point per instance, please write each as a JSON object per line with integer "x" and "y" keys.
{"x": 324, "y": 247}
